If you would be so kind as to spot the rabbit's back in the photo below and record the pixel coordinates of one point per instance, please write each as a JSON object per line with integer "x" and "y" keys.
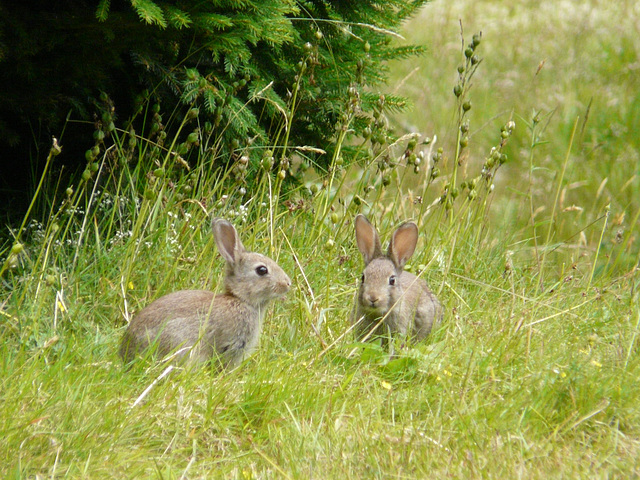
{"x": 169, "y": 322}
{"x": 205, "y": 325}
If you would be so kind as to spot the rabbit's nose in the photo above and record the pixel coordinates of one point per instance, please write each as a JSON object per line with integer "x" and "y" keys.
{"x": 284, "y": 285}
{"x": 373, "y": 300}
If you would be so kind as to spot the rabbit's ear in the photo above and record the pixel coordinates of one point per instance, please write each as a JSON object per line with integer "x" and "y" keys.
{"x": 367, "y": 239}
{"x": 403, "y": 244}
{"x": 229, "y": 244}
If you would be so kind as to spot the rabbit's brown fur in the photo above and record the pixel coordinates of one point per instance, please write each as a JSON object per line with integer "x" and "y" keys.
{"x": 391, "y": 300}
{"x": 205, "y": 326}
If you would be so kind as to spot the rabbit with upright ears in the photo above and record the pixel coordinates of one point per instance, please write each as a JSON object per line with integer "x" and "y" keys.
{"x": 203, "y": 326}
{"x": 390, "y": 300}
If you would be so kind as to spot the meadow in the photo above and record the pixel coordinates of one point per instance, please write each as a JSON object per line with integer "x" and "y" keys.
{"x": 519, "y": 161}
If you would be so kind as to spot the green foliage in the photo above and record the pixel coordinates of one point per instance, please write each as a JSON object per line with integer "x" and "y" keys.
{"x": 248, "y": 66}
{"x": 536, "y": 380}
{"x": 574, "y": 74}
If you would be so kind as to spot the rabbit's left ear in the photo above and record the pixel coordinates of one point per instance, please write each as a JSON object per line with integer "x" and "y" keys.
{"x": 227, "y": 239}
{"x": 367, "y": 239}
{"x": 403, "y": 244}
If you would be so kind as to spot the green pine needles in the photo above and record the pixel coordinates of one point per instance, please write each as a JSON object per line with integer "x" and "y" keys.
{"x": 250, "y": 67}
{"x": 279, "y": 74}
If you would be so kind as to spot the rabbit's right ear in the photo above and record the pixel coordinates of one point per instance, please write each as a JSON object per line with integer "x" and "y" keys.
{"x": 229, "y": 244}
{"x": 367, "y": 239}
{"x": 403, "y": 244}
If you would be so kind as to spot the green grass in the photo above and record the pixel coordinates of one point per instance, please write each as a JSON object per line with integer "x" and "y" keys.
{"x": 533, "y": 373}
{"x": 567, "y": 62}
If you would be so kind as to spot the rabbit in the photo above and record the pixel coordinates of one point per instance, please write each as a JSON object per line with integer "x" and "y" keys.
{"x": 391, "y": 300}
{"x": 205, "y": 326}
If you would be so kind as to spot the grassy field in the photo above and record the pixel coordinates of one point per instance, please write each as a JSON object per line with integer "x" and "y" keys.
{"x": 529, "y": 236}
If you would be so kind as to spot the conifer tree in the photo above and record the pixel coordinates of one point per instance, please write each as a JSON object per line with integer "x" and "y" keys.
{"x": 272, "y": 73}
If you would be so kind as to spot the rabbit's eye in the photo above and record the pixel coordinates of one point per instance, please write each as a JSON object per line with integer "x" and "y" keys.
{"x": 392, "y": 280}
{"x": 262, "y": 270}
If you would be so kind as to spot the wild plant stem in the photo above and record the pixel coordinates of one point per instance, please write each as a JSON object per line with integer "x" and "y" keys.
{"x": 27, "y": 215}
{"x": 552, "y": 220}
{"x": 595, "y": 259}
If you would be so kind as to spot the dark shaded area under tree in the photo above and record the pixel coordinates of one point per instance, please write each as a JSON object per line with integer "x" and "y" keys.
{"x": 57, "y": 57}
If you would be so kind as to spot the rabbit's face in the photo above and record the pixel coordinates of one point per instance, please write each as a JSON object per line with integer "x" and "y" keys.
{"x": 380, "y": 288}
{"x": 257, "y": 279}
